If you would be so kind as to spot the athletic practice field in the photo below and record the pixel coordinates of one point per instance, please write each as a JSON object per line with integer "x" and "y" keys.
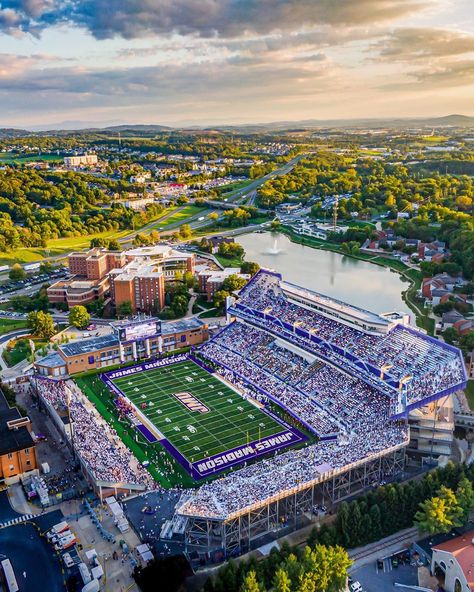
{"x": 206, "y": 425}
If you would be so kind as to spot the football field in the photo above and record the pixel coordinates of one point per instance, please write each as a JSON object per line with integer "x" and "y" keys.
{"x": 199, "y": 415}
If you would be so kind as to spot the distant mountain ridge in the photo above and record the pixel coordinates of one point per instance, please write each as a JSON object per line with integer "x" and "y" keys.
{"x": 453, "y": 120}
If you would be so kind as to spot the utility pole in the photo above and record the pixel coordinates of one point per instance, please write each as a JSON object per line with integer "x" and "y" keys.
{"x": 334, "y": 213}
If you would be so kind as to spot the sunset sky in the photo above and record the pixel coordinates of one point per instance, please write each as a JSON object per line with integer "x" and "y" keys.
{"x": 233, "y": 61}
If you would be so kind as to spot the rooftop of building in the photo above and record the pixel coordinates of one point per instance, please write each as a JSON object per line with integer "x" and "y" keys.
{"x": 157, "y": 252}
{"x": 86, "y": 346}
{"x": 16, "y": 439}
{"x": 462, "y": 549}
{"x": 170, "y": 327}
{"x": 335, "y": 305}
{"x": 52, "y": 360}
{"x": 136, "y": 320}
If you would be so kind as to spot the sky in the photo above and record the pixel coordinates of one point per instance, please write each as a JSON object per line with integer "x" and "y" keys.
{"x": 182, "y": 62}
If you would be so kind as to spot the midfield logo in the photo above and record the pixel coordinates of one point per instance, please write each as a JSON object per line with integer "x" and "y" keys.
{"x": 191, "y": 402}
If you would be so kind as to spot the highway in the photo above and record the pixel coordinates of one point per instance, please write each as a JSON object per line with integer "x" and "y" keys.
{"x": 239, "y": 197}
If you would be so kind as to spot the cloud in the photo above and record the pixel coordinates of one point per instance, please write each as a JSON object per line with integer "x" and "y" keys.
{"x": 423, "y": 44}
{"x": 447, "y": 74}
{"x": 204, "y": 18}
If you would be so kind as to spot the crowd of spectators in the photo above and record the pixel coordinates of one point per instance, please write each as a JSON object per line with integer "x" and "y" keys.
{"x": 97, "y": 443}
{"x": 426, "y": 367}
{"x": 295, "y": 468}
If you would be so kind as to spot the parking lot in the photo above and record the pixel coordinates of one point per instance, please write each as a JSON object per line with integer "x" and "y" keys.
{"x": 384, "y": 574}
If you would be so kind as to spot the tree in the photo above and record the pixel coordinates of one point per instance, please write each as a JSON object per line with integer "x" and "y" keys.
{"x": 376, "y": 522}
{"x": 188, "y": 279}
{"x": 281, "y": 581}
{"x": 114, "y": 245}
{"x": 249, "y": 267}
{"x": 41, "y": 324}
{"x": 17, "y": 273}
{"x": 250, "y": 583}
{"x": 141, "y": 240}
{"x": 185, "y": 231}
{"x": 179, "y": 305}
{"x": 45, "y": 268}
{"x": 219, "y": 298}
{"x": 341, "y": 523}
{"x": 439, "y": 514}
{"x": 275, "y": 225}
{"x": 124, "y": 309}
{"x": 233, "y": 283}
{"x": 79, "y": 317}
{"x": 98, "y": 242}
{"x": 154, "y": 236}
{"x": 450, "y": 335}
{"x": 213, "y": 216}
{"x": 465, "y": 498}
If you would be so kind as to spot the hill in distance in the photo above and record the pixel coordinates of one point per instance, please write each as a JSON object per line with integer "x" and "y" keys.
{"x": 454, "y": 120}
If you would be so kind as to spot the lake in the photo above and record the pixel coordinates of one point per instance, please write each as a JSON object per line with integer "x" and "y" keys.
{"x": 354, "y": 281}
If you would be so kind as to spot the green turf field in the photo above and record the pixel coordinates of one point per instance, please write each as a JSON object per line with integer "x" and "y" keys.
{"x": 230, "y": 421}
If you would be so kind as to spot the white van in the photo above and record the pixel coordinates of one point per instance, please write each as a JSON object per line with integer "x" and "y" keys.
{"x": 65, "y": 542}
{"x": 85, "y": 573}
{"x": 56, "y": 529}
{"x": 57, "y": 537}
{"x": 92, "y": 586}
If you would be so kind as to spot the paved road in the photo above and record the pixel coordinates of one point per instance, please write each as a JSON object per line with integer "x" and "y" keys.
{"x": 239, "y": 195}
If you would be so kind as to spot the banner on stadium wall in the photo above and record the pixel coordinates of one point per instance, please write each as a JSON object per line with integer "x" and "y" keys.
{"x": 235, "y": 456}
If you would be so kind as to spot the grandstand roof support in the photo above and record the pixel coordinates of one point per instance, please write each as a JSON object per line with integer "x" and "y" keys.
{"x": 256, "y": 527}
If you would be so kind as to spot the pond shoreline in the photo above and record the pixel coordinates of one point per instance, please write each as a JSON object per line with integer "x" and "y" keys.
{"x": 406, "y": 274}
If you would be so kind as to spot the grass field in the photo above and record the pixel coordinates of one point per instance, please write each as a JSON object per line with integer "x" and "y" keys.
{"x": 230, "y": 421}
{"x": 7, "y": 325}
{"x": 224, "y": 427}
{"x": 10, "y": 158}
{"x": 178, "y": 217}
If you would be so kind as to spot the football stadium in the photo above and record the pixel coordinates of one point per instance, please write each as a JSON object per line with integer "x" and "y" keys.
{"x": 299, "y": 400}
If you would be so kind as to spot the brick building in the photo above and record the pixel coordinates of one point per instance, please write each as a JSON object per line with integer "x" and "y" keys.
{"x": 119, "y": 347}
{"x": 17, "y": 447}
{"x": 137, "y": 276}
{"x": 210, "y": 281}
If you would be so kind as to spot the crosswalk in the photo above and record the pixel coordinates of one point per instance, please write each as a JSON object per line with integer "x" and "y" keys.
{"x": 18, "y": 520}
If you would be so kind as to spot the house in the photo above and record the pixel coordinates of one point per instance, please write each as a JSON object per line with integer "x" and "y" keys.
{"x": 454, "y": 560}
{"x": 216, "y": 241}
{"x": 464, "y": 326}
{"x": 450, "y": 318}
{"x": 453, "y": 297}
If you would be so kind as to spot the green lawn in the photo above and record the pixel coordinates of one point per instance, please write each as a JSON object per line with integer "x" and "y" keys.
{"x": 229, "y": 261}
{"x": 180, "y": 216}
{"x": 7, "y": 325}
{"x": 60, "y": 246}
{"x": 233, "y": 187}
{"x": 9, "y": 158}
{"x": 21, "y": 350}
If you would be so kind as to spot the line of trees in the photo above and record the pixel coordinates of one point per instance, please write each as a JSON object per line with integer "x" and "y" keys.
{"x": 437, "y": 502}
{"x": 317, "y": 568}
